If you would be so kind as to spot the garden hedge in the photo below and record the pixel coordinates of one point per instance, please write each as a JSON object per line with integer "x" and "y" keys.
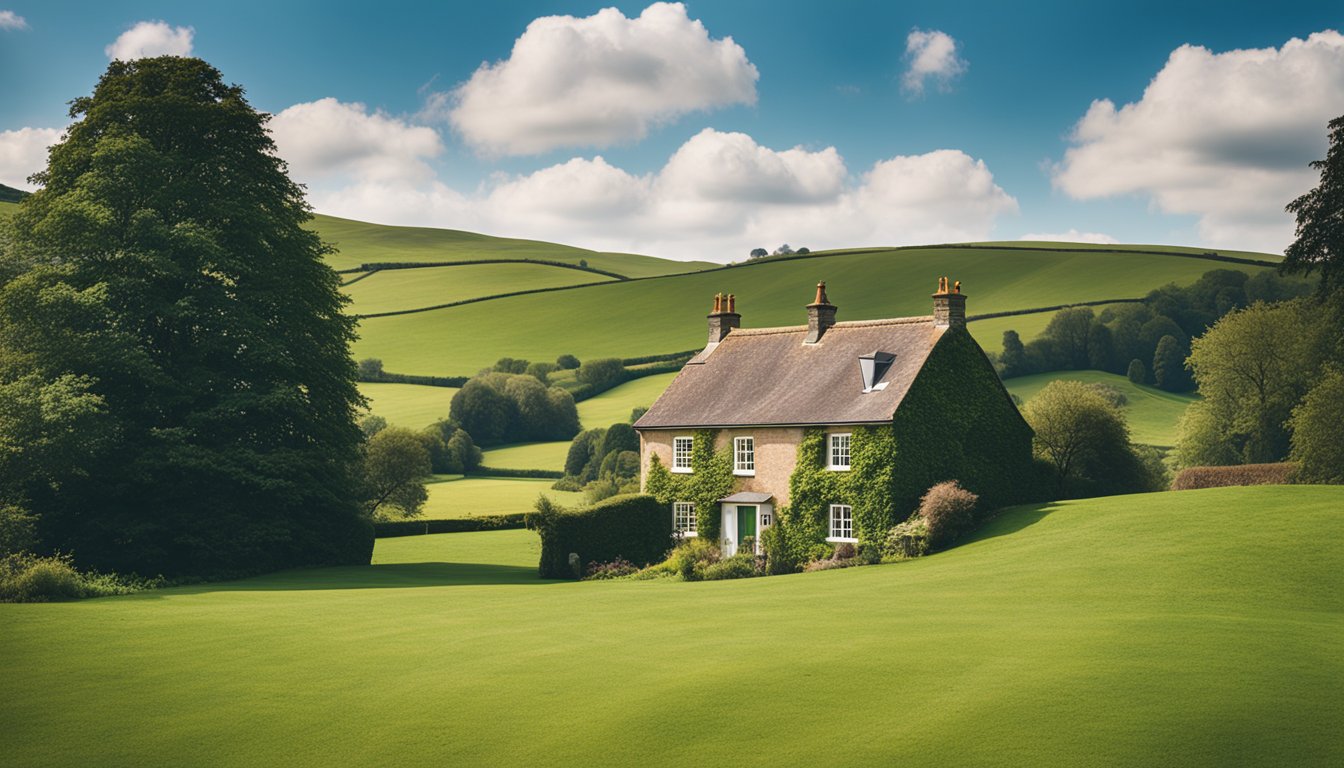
{"x": 1192, "y": 478}
{"x": 636, "y": 528}
{"x": 547, "y": 474}
{"x": 420, "y": 527}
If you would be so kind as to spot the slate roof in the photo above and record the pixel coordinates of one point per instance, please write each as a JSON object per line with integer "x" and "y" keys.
{"x": 769, "y": 377}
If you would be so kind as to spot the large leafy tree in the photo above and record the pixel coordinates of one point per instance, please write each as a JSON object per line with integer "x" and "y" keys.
{"x": 160, "y": 295}
{"x": 1320, "y": 221}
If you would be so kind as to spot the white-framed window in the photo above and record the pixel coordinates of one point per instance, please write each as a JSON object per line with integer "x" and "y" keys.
{"x": 837, "y": 451}
{"x": 744, "y": 456}
{"x": 681, "y": 454}
{"x": 842, "y": 523}
{"x": 683, "y": 517}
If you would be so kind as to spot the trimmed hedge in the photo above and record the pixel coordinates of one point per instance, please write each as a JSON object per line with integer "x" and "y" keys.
{"x": 547, "y": 474}
{"x": 635, "y": 528}
{"x": 411, "y": 378}
{"x": 465, "y": 525}
{"x": 670, "y": 356}
{"x": 1242, "y": 474}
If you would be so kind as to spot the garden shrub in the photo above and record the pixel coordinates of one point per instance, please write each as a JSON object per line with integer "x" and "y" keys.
{"x": 1193, "y": 478}
{"x": 636, "y": 528}
{"x": 566, "y": 484}
{"x": 18, "y": 530}
{"x": 27, "y": 578}
{"x": 464, "y": 525}
{"x": 948, "y": 510}
{"x": 907, "y": 540}
{"x": 612, "y": 570}
{"x": 743, "y": 565}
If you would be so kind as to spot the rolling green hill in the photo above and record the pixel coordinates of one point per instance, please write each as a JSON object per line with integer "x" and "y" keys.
{"x": 666, "y": 314}
{"x": 1152, "y": 413}
{"x": 1200, "y": 628}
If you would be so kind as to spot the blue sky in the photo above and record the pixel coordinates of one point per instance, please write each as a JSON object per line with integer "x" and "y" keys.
{"x": 729, "y": 125}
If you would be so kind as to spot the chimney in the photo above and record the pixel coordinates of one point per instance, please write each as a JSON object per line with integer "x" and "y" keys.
{"x": 820, "y": 316}
{"x": 949, "y": 305}
{"x": 724, "y": 318}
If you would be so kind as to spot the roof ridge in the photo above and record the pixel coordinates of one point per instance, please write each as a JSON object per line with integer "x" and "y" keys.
{"x": 844, "y": 324}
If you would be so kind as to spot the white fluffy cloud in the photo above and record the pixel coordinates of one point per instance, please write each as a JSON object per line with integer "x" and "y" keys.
{"x": 12, "y": 20}
{"x": 596, "y": 81}
{"x": 151, "y": 38}
{"x": 932, "y": 56}
{"x": 24, "y": 152}
{"x": 1225, "y": 137}
{"x": 718, "y": 196}
{"x": 1072, "y": 236}
{"x": 328, "y": 139}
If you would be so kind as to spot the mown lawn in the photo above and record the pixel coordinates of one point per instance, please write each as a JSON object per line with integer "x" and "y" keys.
{"x": 1201, "y": 628}
{"x": 668, "y": 314}
{"x": 1153, "y": 414}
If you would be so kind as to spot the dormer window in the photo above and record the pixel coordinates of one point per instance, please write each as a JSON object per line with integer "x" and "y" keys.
{"x": 837, "y": 454}
{"x": 873, "y": 366}
{"x": 681, "y": 454}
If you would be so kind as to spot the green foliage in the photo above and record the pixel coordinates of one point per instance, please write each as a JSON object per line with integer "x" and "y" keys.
{"x": 540, "y": 371}
{"x": 907, "y": 540}
{"x": 948, "y": 510}
{"x": 451, "y": 449}
{"x": 1014, "y": 355}
{"x": 395, "y": 466}
{"x": 1202, "y": 440}
{"x": 391, "y": 529}
{"x": 1320, "y": 231}
{"x": 602, "y": 374}
{"x": 1253, "y": 367}
{"x": 27, "y": 578}
{"x": 636, "y": 528}
{"x": 637, "y": 412}
{"x": 1191, "y": 478}
{"x": 18, "y": 530}
{"x": 1086, "y": 442}
{"x": 1316, "y": 423}
{"x": 567, "y": 362}
{"x": 582, "y": 452}
{"x": 370, "y": 369}
{"x": 162, "y": 289}
{"x": 619, "y": 437}
{"x": 1136, "y": 373}
{"x": 498, "y": 408}
{"x": 1169, "y": 371}
{"x": 710, "y": 479}
{"x": 371, "y": 425}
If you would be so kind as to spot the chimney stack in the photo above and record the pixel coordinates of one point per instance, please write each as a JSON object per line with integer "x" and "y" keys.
{"x": 820, "y": 316}
{"x": 724, "y": 318}
{"x": 949, "y": 305}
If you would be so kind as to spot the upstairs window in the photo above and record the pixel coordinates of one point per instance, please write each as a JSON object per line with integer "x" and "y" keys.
{"x": 683, "y": 517}
{"x": 744, "y": 456}
{"x": 837, "y": 456}
{"x": 681, "y": 454}
{"x": 842, "y": 523}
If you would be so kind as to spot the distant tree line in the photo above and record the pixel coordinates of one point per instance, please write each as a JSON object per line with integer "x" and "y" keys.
{"x": 1148, "y": 341}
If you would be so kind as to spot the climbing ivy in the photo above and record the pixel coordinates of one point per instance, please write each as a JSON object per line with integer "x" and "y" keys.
{"x": 710, "y": 479}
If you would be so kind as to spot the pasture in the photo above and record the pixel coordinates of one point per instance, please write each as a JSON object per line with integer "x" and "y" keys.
{"x": 1199, "y": 628}
{"x": 389, "y": 290}
{"x": 414, "y": 406}
{"x": 454, "y": 496}
{"x": 527, "y": 456}
{"x": 1153, "y": 415}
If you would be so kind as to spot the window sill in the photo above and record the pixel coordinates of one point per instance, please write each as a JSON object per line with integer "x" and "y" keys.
{"x": 681, "y": 470}
{"x": 841, "y": 540}
{"x": 839, "y": 468}
{"x": 744, "y": 473}
{"x": 689, "y": 535}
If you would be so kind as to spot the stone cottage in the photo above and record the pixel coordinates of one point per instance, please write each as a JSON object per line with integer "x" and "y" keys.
{"x": 834, "y": 429}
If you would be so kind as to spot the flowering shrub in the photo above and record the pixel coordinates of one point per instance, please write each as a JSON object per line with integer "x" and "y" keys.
{"x": 948, "y": 510}
{"x": 907, "y": 540}
{"x": 611, "y": 570}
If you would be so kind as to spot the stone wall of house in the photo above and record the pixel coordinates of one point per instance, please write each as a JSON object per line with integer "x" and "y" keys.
{"x": 776, "y": 454}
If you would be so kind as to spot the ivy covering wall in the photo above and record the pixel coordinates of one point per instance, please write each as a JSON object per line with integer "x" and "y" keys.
{"x": 956, "y": 423}
{"x": 710, "y": 479}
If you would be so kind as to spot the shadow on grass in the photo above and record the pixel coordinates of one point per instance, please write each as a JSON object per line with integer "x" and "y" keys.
{"x": 1012, "y": 520}
{"x": 383, "y": 576}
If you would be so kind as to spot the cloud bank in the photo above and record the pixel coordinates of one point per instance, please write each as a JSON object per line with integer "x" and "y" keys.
{"x": 596, "y": 81}
{"x": 151, "y": 38}
{"x": 1225, "y": 137}
{"x": 12, "y": 20}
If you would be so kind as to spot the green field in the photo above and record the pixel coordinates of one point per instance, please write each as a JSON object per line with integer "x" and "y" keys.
{"x": 989, "y": 331}
{"x": 629, "y": 319}
{"x": 528, "y": 456}
{"x": 393, "y": 289}
{"x": 452, "y": 496}
{"x": 359, "y": 243}
{"x": 1152, "y": 414}
{"x": 614, "y": 405}
{"x": 1201, "y": 628}
{"x": 408, "y": 405}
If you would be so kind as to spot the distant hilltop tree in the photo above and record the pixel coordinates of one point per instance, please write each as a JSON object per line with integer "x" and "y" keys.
{"x": 758, "y": 253}
{"x": 783, "y": 250}
{"x": 803, "y": 251}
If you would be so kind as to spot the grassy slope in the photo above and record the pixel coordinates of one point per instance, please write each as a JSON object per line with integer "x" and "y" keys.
{"x": 1168, "y": 629}
{"x": 1152, "y": 413}
{"x": 528, "y": 456}
{"x": 614, "y": 405}
{"x": 360, "y": 242}
{"x": 453, "y": 497}
{"x": 408, "y": 405}
{"x": 394, "y": 289}
{"x": 667, "y": 314}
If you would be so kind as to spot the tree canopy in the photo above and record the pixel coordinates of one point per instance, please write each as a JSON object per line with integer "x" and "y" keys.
{"x": 183, "y": 392}
{"x": 1319, "y": 246}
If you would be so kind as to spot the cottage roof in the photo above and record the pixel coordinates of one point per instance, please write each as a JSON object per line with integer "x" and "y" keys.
{"x": 770, "y": 376}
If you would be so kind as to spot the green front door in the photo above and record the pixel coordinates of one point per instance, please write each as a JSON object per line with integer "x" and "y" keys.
{"x": 746, "y": 524}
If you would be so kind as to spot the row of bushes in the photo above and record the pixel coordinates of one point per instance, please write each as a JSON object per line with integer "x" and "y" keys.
{"x": 545, "y": 474}
{"x": 28, "y": 578}
{"x": 582, "y": 266}
{"x": 1193, "y": 478}
{"x": 465, "y": 525}
{"x": 635, "y": 528}
{"x": 370, "y": 370}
